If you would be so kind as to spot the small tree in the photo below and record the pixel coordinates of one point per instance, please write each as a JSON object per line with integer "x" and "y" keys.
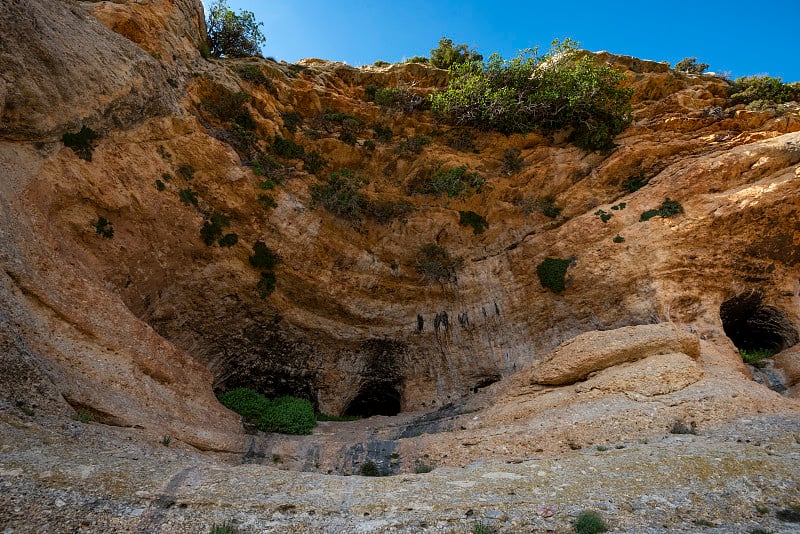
{"x": 233, "y": 35}
{"x": 690, "y": 65}
{"x": 449, "y": 54}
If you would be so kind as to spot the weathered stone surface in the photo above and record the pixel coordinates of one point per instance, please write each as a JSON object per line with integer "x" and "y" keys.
{"x": 61, "y": 69}
{"x": 659, "y": 374}
{"x": 593, "y": 351}
{"x": 788, "y": 362}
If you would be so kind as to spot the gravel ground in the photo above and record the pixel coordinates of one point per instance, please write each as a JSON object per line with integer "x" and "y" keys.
{"x": 59, "y": 475}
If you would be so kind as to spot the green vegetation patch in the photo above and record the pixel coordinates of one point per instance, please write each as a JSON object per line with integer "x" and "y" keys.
{"x": 668, "y": 208}
{"x": 435, "y": 264}
{"x": 750, "y": 89}
{"x": 284, "y": 415}
{"x": 104, "y": 228}
{"x": 756, "y": 358}
{"x": 552, "y": 273}
{"x": 475, "y": 220}
{"x": 212, "y": 228}
{"x": 82, "y": 142}
{"x": 341, "y": 195}
{"x": 263, "y": 257}
{"x": 454, "y": 182}
{"x": 589, "y": 522}
{"x": 288, "y": 415}
{"x": 561, "y": 88}
{"x": 286, "y": 148}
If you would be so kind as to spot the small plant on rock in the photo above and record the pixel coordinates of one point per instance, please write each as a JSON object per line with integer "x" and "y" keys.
{"x": 668, "y": 208}
{"x": 755, "y": 357}
{"x": 82, "y": 417}
{"x": 435, "y": 264}
{"x": 476, "y": 221}
{"x": 369, "y": 469}
{"x": 188, "y": 196}
{"x": 341, "y": 195}
{"x": 166, "y": 440}
{"x": 225, "y": 528}
{"x": 212, "y": 229}
{"x": 589, "y": 522}
{"x": 103, "y": 227}
{"x": 263, "y": 257}
{"x": 552, "y": 273}
{"x": 689, "y": 65}
{"x": 82, "y": 142}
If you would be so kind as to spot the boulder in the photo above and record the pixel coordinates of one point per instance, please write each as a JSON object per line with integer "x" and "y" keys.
{"x": 593, "y": 351}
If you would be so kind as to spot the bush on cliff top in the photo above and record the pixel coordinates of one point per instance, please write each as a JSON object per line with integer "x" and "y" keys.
{"x": 551, "y": 91}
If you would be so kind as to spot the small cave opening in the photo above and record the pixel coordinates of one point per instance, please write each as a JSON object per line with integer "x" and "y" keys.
{"x": 753, "y": 325}
{"x": 374, "y": 399}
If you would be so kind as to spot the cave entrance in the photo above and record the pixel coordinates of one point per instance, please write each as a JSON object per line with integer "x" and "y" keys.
{"x": 374, "y": 399}
{"x": 752, "y": 325}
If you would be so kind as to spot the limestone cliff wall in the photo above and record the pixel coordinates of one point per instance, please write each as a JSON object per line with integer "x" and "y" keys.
{"x": 141, "y": 326}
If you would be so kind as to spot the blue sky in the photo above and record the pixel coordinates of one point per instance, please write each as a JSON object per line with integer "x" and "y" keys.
{"x": 736, "y": 37}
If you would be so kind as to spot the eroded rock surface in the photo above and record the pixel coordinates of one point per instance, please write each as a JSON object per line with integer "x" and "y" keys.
{"x": 139, "y": 328}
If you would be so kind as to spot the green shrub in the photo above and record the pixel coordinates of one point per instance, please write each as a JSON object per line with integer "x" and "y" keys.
{"x": 228, "y": 106}
{"x": 263, "y": 257}
{"x": 634, "y": 183}
{"x": 253, "y": 74}
{"x": 604, "y": 215}
{"x": 348, "y": 137}
{"x": 369, "y": 469}
{"x": 232, "y": 35}
{"x": 482, "y": 528}
{"x": 381, "y": 63}
{"x": 82, "y": 417}
{"x": 618, "y": 239}
{"x": 512, "y": 162}
{"x": 82, "y": 142}
{"x": 546, "y": 206}
{"x": 228, "y": 240}
{"x": 248, "y": 403}
{"x": 266, "y": 284}
{"x": 185, "y": 171}
{"x": 460, "y": 139}
{"x": 791, "y": 514}
{"x": 369, "y": 144}
{"x": 448, "y": 54}
{"x": 288, "y": 415}
{"x": 166, "y": 440}
{"x": 336, "y": 418}
{"x": 412, "y": 146}
{"x": 385, "y": 211}
{"x": 771, "y": 90}
{"x": 689, "y": 65}
{"x": 225, "y": 528}
{"x": 668, "y": 208}
{"x": 313, "y": 162}
{"x": 476, "y": 221}
{"x": 291, "y": 120}
{"x": 418, "y": 59}
{"x": 212, "y": 228}
{"x": 560, "y": 89}
{"x": 551, "y": 273}
{"x": 267, "y": 202}
{"x": 455, "y": 182}
{"x": 755, "y": 357}
{"x": 104, "y": 228}
{"x": 382, "y": 133}
{"x": 160, "y": 185}
{"x": 340, "y": 195}
{"x": 286, "y": 148}
{"x": 435, "y": 264}
{"x": 679, "y": 427}
{"x": 589, "y": 522}
{"x": 188, "y": 196}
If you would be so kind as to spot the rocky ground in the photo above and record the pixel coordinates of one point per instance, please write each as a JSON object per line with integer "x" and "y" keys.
{"x": 60, "y": 475}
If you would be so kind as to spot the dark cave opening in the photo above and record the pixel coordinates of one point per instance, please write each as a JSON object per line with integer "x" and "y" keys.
{"x": 374, "y": 399}
{"x": 752, "y": 325}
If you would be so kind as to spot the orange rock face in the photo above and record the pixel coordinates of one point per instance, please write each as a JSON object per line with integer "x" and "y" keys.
{"x": 141, "y": 327}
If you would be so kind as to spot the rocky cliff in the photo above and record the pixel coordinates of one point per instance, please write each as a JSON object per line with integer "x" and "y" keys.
{"x": 139, "y": 325}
